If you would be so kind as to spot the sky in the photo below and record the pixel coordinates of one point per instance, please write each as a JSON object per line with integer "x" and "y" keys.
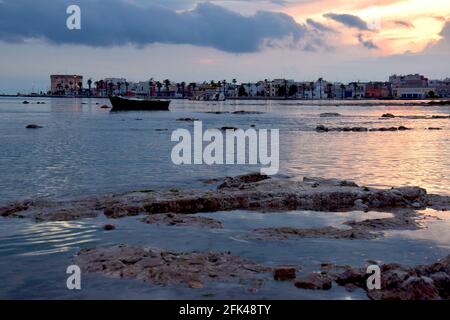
{"x": 199, "y": 40}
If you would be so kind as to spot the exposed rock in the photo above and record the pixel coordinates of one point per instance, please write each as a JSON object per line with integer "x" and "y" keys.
{"x": 225, "y": 128}
{"x": 284, "y": 273}
{"x": 25, "y": 102}
{"x": 440, "y": 117}
{"x": 314, "y": 281}
{"x": 249, "y": 192}
{"x": 14, "y": 208}
{"x": 423, "y": 282}
{"x": 187, "y": 119}
{"x": 325, "y": 232}
{"x": 388, "y": 115}
{"x": 109, "y": 227}
{"x": 182, "y": 220}
{"x": 242, "y": 112}
{"x": 192, "y": 269}
{"x": 329, "y": 115}
{"x": 434, "y": 128}
{"x": 322, "y": 128}
{"x": 33, "y": 126}
{"x": 105, "y": 107}
{"x": 239, "y": 181}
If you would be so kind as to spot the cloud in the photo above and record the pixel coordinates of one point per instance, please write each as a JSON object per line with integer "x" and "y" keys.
{"x": 405, "y": 24}
{"x": 319, "y": 26}
{"x": 122, "y": 22}
{"x": 369, "y": 44}
{"x": 348, "y": 20}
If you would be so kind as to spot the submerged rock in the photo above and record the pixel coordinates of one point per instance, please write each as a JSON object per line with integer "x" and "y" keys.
{"x": 182, "y": 220}
{"x": 187, "y": 119}
{"x": 109, "y": 227}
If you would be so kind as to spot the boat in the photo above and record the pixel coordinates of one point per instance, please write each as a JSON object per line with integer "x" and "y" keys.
{"x": 133, "y": 104}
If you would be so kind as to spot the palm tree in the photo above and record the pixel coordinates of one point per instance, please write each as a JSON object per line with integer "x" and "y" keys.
{"x": 167, "y": 84}
{"x": 111, "y": 88}
{"x": 89, "y": 82}
{"x": 183, "y": 88}
{"x": 343, "y": 91}
{"x": 159, "y": 86}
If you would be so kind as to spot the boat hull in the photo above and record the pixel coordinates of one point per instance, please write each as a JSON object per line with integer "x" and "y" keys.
{"x": 121, "y": 104}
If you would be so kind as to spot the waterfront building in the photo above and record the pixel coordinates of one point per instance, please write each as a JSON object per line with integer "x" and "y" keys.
{"x": 66, "y": 84}
{"x": 410, "y": 80}
{"x": 413, "y": 93}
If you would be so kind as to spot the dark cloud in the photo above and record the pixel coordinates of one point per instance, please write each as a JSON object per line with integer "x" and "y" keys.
{"x": 318, "y": 26}
{"x": 369, "y": 44}
{"x": 348, "y": 20}
{"x": 121, "y": 22}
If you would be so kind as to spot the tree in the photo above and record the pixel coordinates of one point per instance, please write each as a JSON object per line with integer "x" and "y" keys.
{"x": 242, "y": 92}
{"x": 127, "y": 85}
{"x": 183, "y": 89}
{"x": 343, "y": 91}
{"x": 293, "y": 89}
{"x": 234, "y": 81}
{"x": 167, "y": 84}
{"x": 159, "y": 86}
{"x": 282, "y": 92}
{"x": 111, "y": 88}
{"x": 89, "y": 82}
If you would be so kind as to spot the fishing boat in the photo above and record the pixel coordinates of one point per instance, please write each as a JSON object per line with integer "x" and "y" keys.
{"x": 133, "y": 104}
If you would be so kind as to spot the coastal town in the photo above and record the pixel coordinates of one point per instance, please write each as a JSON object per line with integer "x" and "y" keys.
{"x": 411, "y": 86}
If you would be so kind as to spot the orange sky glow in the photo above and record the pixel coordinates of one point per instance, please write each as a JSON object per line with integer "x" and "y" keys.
{"x": 399, "y": 26}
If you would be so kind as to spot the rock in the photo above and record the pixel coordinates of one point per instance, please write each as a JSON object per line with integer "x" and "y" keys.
{"x": 33, "y": 126}
{"x": 25, "y": 102}
{"x": 434, "y": 128}
{"x": 225, "y": 128}
{"x": 359, "y": 205}
{"x": 414, "y": 288}
{"x": 109, "y": 227}
{"x": 182, "y": 220}
{"x": 105, "y": 107}
{"x": 247, "y": 112}
{"x": 236, "y": 182}
{"x": 284, "y": 273}
{"x": 440, "y": 117}
{"x": 321, "y": 128}
{"x": 388, "y": 115}
{"x": 314, "y": 281}
{"x": 187, "y": 119}
{"x": 417, "y": 205}
{"x": 403, "y": 128}
{"x": 159, "y": 267}
{"x": 329, "y": 115}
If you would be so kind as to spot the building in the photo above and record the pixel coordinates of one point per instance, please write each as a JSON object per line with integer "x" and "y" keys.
{"x": 66, "y": 84}
{"x": 410, "y": 81}
{"x": 413, "y": 93}
{"x": 378, "y": 90}
{"x": 442, "y": 87}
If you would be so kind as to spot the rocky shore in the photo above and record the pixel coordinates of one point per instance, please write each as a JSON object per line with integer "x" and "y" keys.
{"x": 255, "y": 192}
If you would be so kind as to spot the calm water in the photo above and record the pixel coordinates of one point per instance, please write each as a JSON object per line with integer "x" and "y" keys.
{"x": 85, "y": 150}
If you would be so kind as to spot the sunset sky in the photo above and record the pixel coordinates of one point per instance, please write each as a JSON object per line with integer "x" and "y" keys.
{"x": 190, "y": 40}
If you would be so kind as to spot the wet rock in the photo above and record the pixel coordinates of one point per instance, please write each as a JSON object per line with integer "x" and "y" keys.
{"x": 191, "y": 269}
{"x": 314, "y": 281}
{"x": 440, "y": 117}
{"x": 187, "y": 119}
{"x": 284, "y": 273}
{"x": 237, "y": 182}
{"x": 285, "y": 233}
{"x": 388, "y": 115}
{"x": 329, "y": 115}
{"x": 248, "y": 192}
{"x": 414, "y": 288}
{"x": 434, "y": 128}
{"x": 182, "y": 220}
{"x": 403, "y": 128}
{"x": 225, "y": 128}
{"x": 25, "y": 102}
{"x": 14, "y": 208}
{"x": 109, "y": 227}
{"x": 105, "y": 107}
{"x": 321, "y": 128}
{"x": 33, "y": 126}
{"x": 359, "y": 205}
{"x": 247, "y": 112}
